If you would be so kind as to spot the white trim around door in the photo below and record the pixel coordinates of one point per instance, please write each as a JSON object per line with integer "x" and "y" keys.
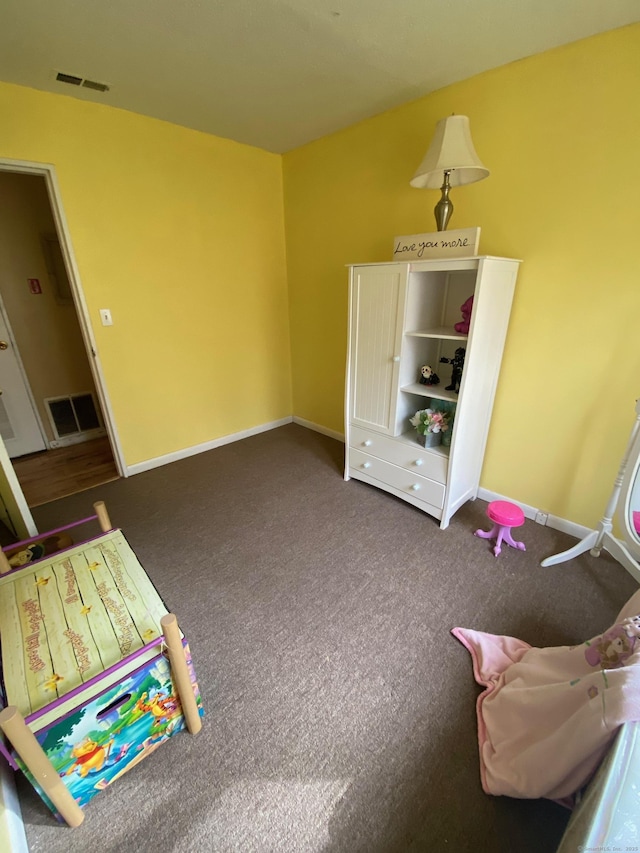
{"x": 47, "y": 170}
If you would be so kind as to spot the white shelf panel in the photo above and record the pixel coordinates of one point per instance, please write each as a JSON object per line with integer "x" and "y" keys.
{"x": 442, "y": 332}
{"x": 438, "y": 392}
{"x": 411, "y": 438}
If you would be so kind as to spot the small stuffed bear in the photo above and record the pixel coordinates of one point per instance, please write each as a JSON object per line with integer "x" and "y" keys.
{"x": 463, "y": 326}
{"x": 427, "y": 376}
{"x": 611, "y": 650}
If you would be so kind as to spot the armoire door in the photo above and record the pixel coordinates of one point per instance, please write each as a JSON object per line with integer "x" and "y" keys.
{"x": 377, "y": 313}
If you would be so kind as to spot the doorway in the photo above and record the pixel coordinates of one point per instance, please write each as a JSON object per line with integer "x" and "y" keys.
{"x": 55, "y": 420}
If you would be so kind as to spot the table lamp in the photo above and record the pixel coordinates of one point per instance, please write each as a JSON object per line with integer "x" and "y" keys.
{"x": 451, "y": 161}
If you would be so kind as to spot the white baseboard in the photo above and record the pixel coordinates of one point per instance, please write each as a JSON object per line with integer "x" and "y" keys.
{"x": 12, "y": 835}
{"x": 77, "y": 438}
{"x": 158, "y": 461}
{"x": 317, "y": 428}
{"x": 553, "y": 521}
{"x": 139, "y": 467}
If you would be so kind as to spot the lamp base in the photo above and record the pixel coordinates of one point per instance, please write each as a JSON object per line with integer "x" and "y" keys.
{"x": 444, "y": 208}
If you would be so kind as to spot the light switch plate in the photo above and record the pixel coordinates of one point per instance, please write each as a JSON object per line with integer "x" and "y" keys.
{"x": 105, "y": 316}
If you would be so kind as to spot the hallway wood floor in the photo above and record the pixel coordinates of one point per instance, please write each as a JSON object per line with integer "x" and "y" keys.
{"x": 53, "y": 474}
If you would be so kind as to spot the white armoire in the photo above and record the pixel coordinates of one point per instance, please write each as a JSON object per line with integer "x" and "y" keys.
{"x": 402, "y": 316}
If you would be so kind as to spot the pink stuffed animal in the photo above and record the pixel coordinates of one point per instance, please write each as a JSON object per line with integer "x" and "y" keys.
{"x": 463, "y": 325}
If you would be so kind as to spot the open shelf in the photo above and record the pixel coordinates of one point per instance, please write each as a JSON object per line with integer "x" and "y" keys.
{"x": 447, "y": 333}
{"x": 411, "y": 438}
{"x": 435, "y": 391}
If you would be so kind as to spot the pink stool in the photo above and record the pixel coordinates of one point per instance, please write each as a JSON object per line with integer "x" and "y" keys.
{"x": 504, "y": 515}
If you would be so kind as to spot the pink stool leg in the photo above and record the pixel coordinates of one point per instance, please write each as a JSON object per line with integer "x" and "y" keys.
{"x": 501, "y": 534}
{"x": 511, "y": 541}
{"x": 489, "y": 534}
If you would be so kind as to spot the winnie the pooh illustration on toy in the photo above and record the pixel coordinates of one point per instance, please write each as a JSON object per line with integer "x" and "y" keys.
{"x": 88, "y": 757}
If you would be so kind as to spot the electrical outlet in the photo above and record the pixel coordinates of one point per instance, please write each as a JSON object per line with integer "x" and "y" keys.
{"x": 542, "y": 517}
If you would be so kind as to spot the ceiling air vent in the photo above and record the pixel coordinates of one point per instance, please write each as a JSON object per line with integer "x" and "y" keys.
{"x": 81, "y": 81}
{"x": 69, "y": 78}
{"x": 99, "y": 87}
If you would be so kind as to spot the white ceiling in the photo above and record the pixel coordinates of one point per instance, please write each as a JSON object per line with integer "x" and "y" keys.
{"x": 279, "y": 73}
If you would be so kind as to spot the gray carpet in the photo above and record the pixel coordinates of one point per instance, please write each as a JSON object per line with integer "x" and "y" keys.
{"x": 340, "y": 713}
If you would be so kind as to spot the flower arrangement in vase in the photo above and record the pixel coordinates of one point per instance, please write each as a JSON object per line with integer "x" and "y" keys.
{"x": 430, "y": 424}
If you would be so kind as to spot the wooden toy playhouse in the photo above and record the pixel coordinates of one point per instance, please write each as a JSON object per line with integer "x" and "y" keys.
{"x": 95, "y": 672}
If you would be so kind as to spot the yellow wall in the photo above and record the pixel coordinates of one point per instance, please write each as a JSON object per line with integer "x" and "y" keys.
{"x": 181, "y": 235}
{"x": 560, "y": 132}
{"x": 46, "y": 331}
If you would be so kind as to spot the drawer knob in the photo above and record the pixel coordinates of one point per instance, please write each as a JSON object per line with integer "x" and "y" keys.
{"x": 415, "y": 487}
{"x": 367, "y": 443}
{"x": 419, "y": 461}
{"x": 366, "y": 464}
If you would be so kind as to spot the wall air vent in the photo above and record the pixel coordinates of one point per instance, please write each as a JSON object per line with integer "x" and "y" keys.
{"x": 81, "y": 81}
{"x": 75, "y": 416}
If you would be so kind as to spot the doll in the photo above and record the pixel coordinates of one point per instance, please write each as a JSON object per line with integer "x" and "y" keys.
{"x": 457, "y": 363}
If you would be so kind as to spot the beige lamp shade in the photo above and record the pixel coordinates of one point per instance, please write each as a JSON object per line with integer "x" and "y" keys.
{"x": 452, "y": 151}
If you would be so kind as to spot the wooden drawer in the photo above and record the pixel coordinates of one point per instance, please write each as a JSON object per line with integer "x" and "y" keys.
{"x": 427, "y": 463}
{"x": 413, "y": 485}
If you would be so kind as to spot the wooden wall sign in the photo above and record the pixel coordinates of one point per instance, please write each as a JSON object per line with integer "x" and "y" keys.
{"x": 462, "y": 243}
